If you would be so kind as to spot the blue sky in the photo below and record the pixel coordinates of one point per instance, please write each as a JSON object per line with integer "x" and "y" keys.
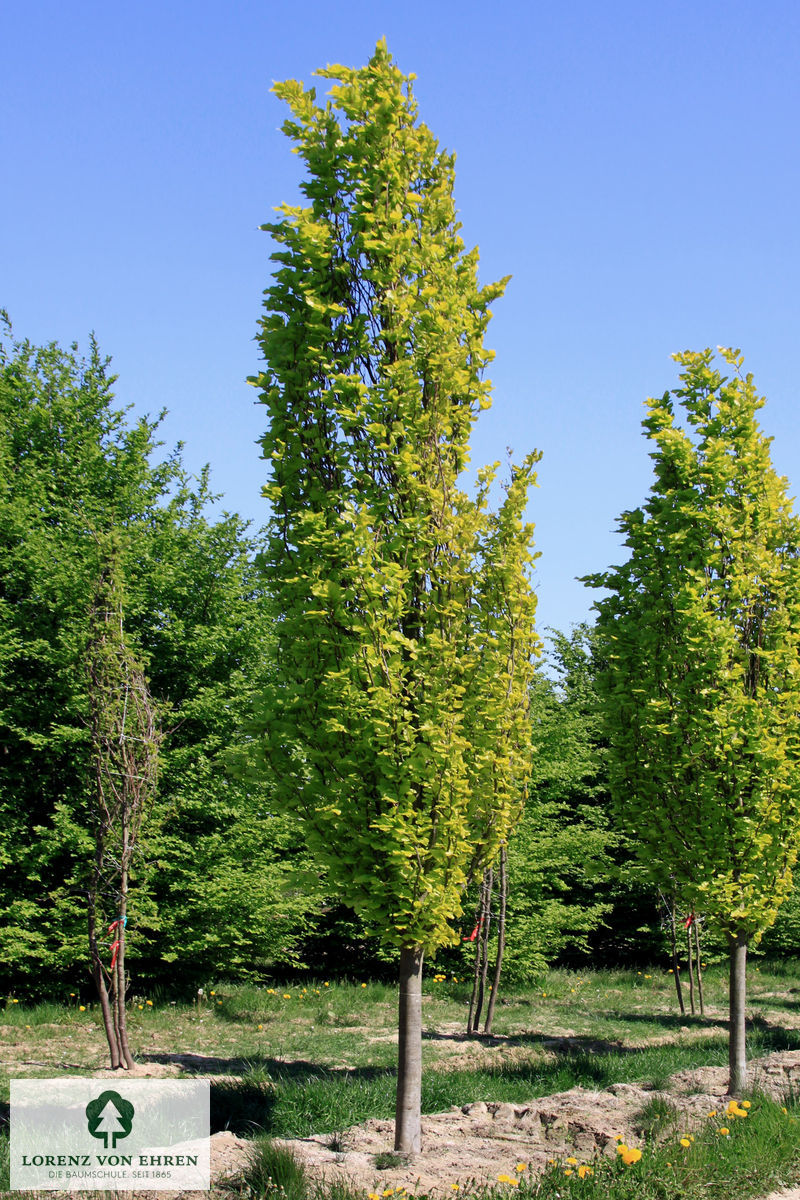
{"x": 636, "y": 168}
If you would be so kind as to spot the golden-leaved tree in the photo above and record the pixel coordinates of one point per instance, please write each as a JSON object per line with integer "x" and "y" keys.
{"x": 700, "y": 636}
{"x": 396, "y": 724}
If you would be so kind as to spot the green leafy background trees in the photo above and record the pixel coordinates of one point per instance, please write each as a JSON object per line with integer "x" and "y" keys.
{"x": 214, "y": 886}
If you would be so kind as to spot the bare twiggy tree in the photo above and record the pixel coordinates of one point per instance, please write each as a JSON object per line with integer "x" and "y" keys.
{"x": 125, "y": 743}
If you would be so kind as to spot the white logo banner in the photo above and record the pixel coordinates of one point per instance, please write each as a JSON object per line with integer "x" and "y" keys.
{"x": 74, "y": 1134}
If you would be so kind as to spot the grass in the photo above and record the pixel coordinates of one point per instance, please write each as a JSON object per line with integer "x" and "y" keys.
{"x": 751, "y": 1159}
{"x": 291, "y": 1060}
{"x": 748, "y": 1160}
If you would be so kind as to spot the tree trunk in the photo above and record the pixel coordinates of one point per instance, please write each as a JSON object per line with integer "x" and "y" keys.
{"x": 501, "y": 939}
{"x": 119, "y": 978}
{"x": 675, "y": 968}
{"x": 690, "y": 956}
{"x": 698, "y": 969}
{"x": 102, "y": 991}
{"x": 484, "y": 935}
{"x": 737, "y": 1058}
{"x": 407, "y": 1129}
{"x": 473, "y": 1016}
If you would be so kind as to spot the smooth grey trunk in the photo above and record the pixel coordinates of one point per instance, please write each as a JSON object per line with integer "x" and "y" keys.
{"x": 501, "y": 939}
{"x": 484, "y": 935}
{"x": 109, "y": 1023}
{"x": 698, "y": 969}
{"x": 122, "y": 1026}
{"x": 737, "y": 1057}
{"x": 481, "y": 952}
{"x": 675, "y": 968}
{"x": 407, "y": 1128}
{"x": 690, "y": 956}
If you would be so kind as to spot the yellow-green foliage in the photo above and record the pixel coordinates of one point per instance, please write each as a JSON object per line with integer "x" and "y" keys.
{"x": 701, "y": 634}
{"x": 397, "y": 726}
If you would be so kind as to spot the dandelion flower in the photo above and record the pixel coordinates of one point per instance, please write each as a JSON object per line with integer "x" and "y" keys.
{"x": 713, "y": 1112}
{"x": 287, "y": 995}
{"x": 522, "y": 1167}
{"x": 631, "y": 1155}
{"x": 455, "y": 1186}
{"x": 724, "y": 1131}
{"x": 82, "y": 1008}
{"x": 261, "y": 1027}
{"x": 363, "y": 985}
{"x": 685, "y": 1142}
{"x": 572, "y": 1162}
{"x": 746, "y": 1104}
{"x": 621, "y": 1148}
{"x": 583, "y": 1171}
{"x": 373, "y": 1196}
{"x": 568, "y": 1171}
{"x": 149, "y": 1003}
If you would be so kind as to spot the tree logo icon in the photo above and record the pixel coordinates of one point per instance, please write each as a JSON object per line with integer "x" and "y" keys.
{"x": 109, "y": 1116}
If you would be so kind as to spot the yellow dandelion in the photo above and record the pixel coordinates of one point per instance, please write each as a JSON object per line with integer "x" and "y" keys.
{"x": 363, "y": 985}
{"x": 746, "y": 1104}
{"x": 388, "y": 1191}
{"x": 82, "y": 1008}
{"x": 685, "y": 1142}
{"x": 583, "y": 1171}
{"x": 326, "y": 985}
{"x": 784, "y": 1110}
{"x": 713, "y": 1112}
{"x": 521, "y": 1167}
{"x": 149, "y": 1003}
{"x": 568, "y": 1171}
{"x": 287, "y": 995}
{"x": 455, "y": 1186}
{"x": 261, "y": 1027}
{"x": 621, "y": 1148}
{"x": 373, "y": 1196}
{"x": 140, "y": 1006}
{"x": 724, "y": 1131}
{"x": 631, "y": 1156}
{"x": 572, "y": 1162}
{"x": 212, "y": 992}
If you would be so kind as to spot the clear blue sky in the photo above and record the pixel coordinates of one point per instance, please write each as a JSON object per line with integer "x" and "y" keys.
{"x": 635, "y": 167}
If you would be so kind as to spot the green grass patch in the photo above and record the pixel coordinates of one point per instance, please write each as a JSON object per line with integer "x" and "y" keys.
{"x": 752, "y": 1158}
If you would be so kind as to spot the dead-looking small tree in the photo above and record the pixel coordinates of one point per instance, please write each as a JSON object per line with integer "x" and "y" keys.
{"x": 125, "y": 738}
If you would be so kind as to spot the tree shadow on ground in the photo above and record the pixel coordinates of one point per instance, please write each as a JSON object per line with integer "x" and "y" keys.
{"x": 298, "y": 1070}
{"x": 248, "y": 1098}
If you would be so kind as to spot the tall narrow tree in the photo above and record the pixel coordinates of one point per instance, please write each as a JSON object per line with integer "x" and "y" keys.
{"x": 125, "y": 743}
{"x": 396, "y": 727}
{"x": 701, "y": 636}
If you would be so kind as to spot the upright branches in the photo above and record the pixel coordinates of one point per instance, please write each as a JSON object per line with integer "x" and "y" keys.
{"x": 700, "y": 638}
{"x": 125, "y": 743}
{"x": 396, "y": 727}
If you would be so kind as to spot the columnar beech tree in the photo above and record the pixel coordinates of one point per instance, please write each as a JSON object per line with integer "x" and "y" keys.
{"x": 701, "y": 634}
{"x": 396, "y": 726}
